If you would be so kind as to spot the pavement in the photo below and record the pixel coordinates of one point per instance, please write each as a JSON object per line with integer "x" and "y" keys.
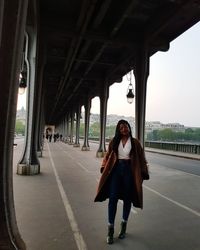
{"x": 173, "y": 153}
{"x": 55, "y": 209}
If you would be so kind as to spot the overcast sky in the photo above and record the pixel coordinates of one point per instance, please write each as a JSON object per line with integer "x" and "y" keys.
{"x": 173, "y": 88}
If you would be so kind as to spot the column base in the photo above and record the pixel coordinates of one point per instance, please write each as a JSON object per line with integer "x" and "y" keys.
{"x": 70, "y": 143}
{"x": 39, "y": 153}
{"x": 85, "y": 148}
{"x": 100, "y": 154}
{"x": 24, "y": 169}
{"x": 76, "y": 145}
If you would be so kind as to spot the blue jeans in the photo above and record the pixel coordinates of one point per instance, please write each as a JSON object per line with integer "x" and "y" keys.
{"x": 121, "y": 186}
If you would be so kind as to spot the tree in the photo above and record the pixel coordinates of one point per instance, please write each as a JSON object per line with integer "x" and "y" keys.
{"x": 171, "y": 135}
{"x": 166, "y": 135}
{"x": 19, "y": 127}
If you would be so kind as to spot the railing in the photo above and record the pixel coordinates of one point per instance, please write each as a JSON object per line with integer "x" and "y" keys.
{"x": 180, "y": 147}
{"x": 174, "y": 146}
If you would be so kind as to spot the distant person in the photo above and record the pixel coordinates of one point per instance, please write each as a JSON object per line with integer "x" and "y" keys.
{"x": 124, "y": 168}
{"x": 50, "y": 137}
{"x": 55, "y": 137}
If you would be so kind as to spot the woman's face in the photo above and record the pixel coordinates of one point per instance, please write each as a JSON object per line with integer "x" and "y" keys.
{"x": 124, "y": 129}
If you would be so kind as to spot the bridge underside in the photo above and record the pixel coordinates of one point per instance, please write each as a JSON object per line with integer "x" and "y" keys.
{"x": 73, "y": 51}
{"x": 88, "y": 43}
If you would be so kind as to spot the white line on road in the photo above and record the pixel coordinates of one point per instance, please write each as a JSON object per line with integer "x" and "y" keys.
{"x": 78, "y": 163}
{"x": 159, "y": 194}
{"x": 176, "y": 170}
{"x": 74, "y": 226}
{"x": 175, "y": 202}
{"x": 67, "y": 153}
{"x": 84, "y": 168}
{"x": 132, "y": 209}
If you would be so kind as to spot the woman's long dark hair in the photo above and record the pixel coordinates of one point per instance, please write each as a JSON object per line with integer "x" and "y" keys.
{"x": 117, "y": 137}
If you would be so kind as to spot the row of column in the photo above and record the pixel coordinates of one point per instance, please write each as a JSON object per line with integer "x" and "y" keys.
{"x": 11, "y": 47}
{"x": 12, "y": 28}
{"x": 141, "y": 72}
{"x": 63, "y": 128}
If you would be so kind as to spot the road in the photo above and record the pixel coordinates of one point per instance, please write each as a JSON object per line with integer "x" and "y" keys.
{"x": 178, "y": 163}
{"x": 55, "y": 210}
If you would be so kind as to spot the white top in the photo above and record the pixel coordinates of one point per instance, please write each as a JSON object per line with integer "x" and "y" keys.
{"x": 123, "y": 152}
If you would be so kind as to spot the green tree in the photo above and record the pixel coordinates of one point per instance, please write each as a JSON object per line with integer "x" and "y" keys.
{"x": 170, "y": 135}
{"x": 166, "y": 135}
{"x": 95, "y": 128}
{"x": 155, "y": 135}
{"x": 19, "y": 127}
{"x": 197, "y": 133}
{"x": 81, "y": 130}
{"x": 110, "y": 131}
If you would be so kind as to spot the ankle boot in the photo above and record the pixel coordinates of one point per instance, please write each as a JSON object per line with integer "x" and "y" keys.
{"x": 122, "y": 232}
{"x": 110, "y": 234}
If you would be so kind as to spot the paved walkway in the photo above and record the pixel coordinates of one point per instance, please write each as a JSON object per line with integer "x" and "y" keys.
{"x": 174, "y": 153}
{"x": 55, "y": 210}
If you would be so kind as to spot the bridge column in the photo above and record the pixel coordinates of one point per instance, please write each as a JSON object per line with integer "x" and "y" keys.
{"x": 63, "y": 128}
{"x": 29, "y": 164}
{"x": 11, "y": 47}
{"x": 103, "y": 114}
{"x": 66, "y": 135}
{"x": 78, "y": 116}
{"x": 87, "y": 105}
{"x": 141, "y": 72}
{"x": 40, "y": 110}
{"x": 40, "y": 134}
{"x": 71, "y": 140}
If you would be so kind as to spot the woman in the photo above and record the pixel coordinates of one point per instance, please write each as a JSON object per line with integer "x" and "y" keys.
{"x": 124, "y": 168}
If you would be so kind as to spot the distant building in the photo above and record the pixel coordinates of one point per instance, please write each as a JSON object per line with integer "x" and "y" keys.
{"x": 113, "y": 119}
{"x": 156, "y": 125}
{"x": 149, "y": 125}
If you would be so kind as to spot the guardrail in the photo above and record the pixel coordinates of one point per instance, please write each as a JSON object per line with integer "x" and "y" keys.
{"x": 180, "y": 147}
{"x": 174, "y": 146}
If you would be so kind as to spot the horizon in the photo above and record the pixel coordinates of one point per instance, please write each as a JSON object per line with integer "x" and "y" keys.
{"x": 134, "y": 118}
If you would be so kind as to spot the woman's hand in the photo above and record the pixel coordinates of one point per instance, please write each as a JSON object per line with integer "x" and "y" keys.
{"x": 145, "y": 176}
{"x": 101, "y": 170}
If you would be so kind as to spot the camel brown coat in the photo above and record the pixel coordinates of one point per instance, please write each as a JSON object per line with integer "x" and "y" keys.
{"x": 139, "y": 171}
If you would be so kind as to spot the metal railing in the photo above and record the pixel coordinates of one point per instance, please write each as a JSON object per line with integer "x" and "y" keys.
{"x": 174, "y": 146}
{"x": 178, "y": 146}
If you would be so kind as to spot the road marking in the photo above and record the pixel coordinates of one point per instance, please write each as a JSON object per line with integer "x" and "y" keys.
{"x": 194, "y": 175}
{"x": 84, "y": 168}
{"x": 74, "y": 226}
{"x": 159, "y": 194}
{"x": 178, "y": 170}
{"x": 78, "y": 163}
{"x": 174, "y": 202}
{"x": 67, "y": 153}
{"x": 132, "y": 209}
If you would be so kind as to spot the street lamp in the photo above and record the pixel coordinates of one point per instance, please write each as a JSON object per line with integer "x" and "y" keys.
{"x": 24, "y": 67}
{"x": 22, "y": 83}
{"x": 130, "y": 94}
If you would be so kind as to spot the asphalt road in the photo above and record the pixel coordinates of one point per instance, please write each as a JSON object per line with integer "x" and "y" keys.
{"x": 55, "y": 210}
{"x": 177, "y": 163}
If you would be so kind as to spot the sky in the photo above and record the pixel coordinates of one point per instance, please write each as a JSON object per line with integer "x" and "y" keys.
{"x": 173, "y": 86}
